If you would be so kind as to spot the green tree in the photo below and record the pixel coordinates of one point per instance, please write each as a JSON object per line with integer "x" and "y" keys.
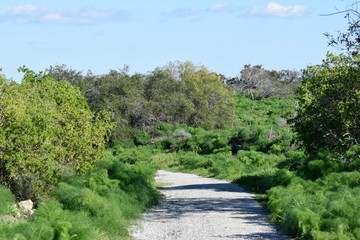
{"x": 214, "y": 103}
{"x": 329, "y": 116}
{"x": 167, "y": 97}
{"x": 175, "y": 93}
{"x": 123, "y": 95}
{"x": 46, "y": 129}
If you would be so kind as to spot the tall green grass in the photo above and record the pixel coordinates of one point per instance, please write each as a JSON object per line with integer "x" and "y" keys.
{"x": 7, "y": 199}
{"x": 323, "y": 209}
{"x": 98, "y": 205}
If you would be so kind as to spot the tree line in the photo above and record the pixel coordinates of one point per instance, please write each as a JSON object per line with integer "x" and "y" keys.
{"x": 179, "y": 92}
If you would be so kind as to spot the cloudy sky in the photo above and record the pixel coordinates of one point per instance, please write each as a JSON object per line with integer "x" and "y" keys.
{"x": 223, "y": 35}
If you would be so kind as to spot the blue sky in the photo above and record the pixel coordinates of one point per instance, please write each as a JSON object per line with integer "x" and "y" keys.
{"x": 223, "y": 35}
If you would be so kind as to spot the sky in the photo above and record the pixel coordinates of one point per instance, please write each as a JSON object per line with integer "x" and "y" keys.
{"x": 222, "y": 35}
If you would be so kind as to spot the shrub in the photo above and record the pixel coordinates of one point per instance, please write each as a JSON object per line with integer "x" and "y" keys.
{"x": 225, "y": 166}
{"x": 329, "y": 102}
{"x": 209, "y": 142}
{"x": 191, "y": 160}
{"x": 47, "y": 129}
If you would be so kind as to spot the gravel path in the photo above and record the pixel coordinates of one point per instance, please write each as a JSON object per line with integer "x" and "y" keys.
{"x": 203, "y": 208}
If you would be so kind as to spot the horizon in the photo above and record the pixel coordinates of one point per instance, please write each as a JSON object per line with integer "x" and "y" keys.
{"x": 221, "y": 35}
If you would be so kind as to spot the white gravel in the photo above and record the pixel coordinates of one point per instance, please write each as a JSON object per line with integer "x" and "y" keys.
{"x": 203, "y": 208}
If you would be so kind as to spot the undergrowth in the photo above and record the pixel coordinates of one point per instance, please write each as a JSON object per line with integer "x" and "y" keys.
{"x": 98, "y": 205}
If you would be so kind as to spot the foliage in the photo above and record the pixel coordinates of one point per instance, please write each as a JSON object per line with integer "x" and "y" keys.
{"x": 100, "y": 204}
{"x": 198, "y": 140}
{"x": 263, "y": 124}
{"x": 328, "y": 117}
{"x": 213, "y": 102}
{"x": 46, "y": 129}
{"x": 167, "y": 97}
{"x": 177, "y": 93}
{"x": 324, "y": 209}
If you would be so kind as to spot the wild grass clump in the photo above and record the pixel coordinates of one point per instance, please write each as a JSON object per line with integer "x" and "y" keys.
{"x": 326, "y": 208}
{"x": 7, "y": 199}
{"x": 98, "y": 205}
{"x": 225, "y": 166}
{"x": 261, "y": 181}
{"x": 51, "y": 221}
{"x": 192, "y": 160}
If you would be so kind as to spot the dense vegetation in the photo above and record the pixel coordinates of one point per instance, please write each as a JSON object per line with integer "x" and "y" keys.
{"x": 52, "y": 150}
{"x": 291, "y": 138}
{"x": 97, "y": 205}
{"x": 176, "y": 93}
{"x": 248, "y": 138}
{"x": 47, "y": 129}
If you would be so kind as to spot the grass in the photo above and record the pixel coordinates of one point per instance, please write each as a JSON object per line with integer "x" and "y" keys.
{"x": 7, "y": 199}
{"x": 99, "y": 205}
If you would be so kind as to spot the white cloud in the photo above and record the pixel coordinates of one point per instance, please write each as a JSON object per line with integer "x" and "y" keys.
{"x": 278, "y": 10}
{"x": 30, "y": 13}
{"x": 19, "y": 10}
{"x": 185, "y": 11}
{"x": 94, "y": 13}
{"x": 195, "y": 13}
{"x": 53, "y": 17}
{"x": 218, "y": 7}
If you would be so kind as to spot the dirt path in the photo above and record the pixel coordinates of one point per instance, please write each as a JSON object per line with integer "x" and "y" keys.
{"x": 198, "y": 208}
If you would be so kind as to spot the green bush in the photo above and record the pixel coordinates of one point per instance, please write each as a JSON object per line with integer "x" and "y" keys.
{"x": 322, "y": 164}
{"x": 254, "y": 159}
{"x": 197, "y": 140}
{"x": 329, "y": 102}
{"x": 191, "y": 160}
{"x": 263, "y": 180}
{"x": 225, "y": 166}
{"x": 207, "y": 143}
{"x": 47, "y": 129}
